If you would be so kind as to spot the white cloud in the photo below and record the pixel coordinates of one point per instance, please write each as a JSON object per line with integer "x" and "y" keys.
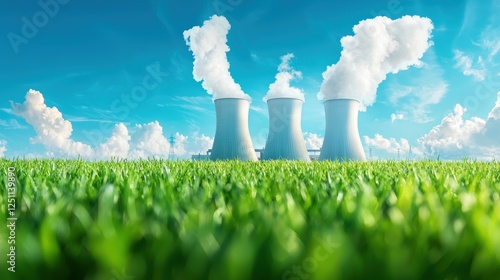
{"x": 380, "y": 46}
{"x": 3, "y": 148}
{"x": 53, "y": 131}
{"x": 281, "y": 88}
{"x": 495, "y": 113}
{"x": 464, "y": 63}
{"x": 493, "y": 46}
{"x": 456, "y": 137}
{"x": 454, "y": 133}
{"x": 149, "y": 142}
{"x": 208, "y": 44}
{"x": 395, "y": 117}
{"x": 313, "y": 141}
{"x": 186, "y": 146}
{"x": 117, "y": 146}
{"x": 392, "y": 146}
{"x": 490, "y": 40}
{"x": 202, "y": 144}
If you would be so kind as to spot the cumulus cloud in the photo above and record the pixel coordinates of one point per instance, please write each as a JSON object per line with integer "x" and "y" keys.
{"x": 3, "y": 148}
{"x": 209, "y": 48}
{"x": 313, "y": 141}
{"x": 53, "y": 131}
{"x": 453, "y": 133}
{"x": 281, "y": 87}
{"x": 465, "y": 64}
{"x": 149, "y": 142}
{"x": 457, "y": 137}
{"x": 186, "y": 146}
{"x": 495, "y": 113}
{"x": 392, "y": 146}
{"x": 117, "y": 146}
{"x": 201, "y": 144}
{"x": 395, "y": 117}
{"x": 379, "y": 46}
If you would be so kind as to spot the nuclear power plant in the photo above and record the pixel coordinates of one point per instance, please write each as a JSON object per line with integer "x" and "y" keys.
{"x": 285, "y": 139}
{"x": 232, "y": 137}
{"x": 342, "y": 141}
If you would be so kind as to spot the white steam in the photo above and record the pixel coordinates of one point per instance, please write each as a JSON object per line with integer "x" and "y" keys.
{"x": 281, "y": 87}
{"x": 379, "y": 46}
{"x": 208, "y": 44}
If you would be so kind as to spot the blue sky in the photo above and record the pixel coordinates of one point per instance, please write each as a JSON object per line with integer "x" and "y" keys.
{"x": 89, "y": 57}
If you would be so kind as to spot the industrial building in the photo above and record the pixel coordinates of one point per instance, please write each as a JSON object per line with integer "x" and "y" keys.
{"x": 342, "y": 141}
{"x": 313, "y": 154}
{"x": 232, "y": 137}
{"x": 285, "y": 139}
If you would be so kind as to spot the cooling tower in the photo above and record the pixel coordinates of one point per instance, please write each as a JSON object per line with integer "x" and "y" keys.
{"x": 232, "y": 137}
{"x": 342, "y": 140}
{"x": 285, "y": 139}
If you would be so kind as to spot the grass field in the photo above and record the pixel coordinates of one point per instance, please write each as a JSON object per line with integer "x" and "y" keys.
{"x": 265, "y": 220}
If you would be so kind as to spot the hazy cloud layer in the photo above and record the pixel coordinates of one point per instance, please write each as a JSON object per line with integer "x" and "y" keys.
{"x": 414, "y": 100}
{"x": 378, "y": 47}
{"x": 3, "y": 148}
{"x": 281, "y": 87}
{"x": 392, "y": 146}
{"x": 209, "y": 48}
{"x": 468, "y": 68}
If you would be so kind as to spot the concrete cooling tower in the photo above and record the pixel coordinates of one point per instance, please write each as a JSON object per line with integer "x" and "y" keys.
{"x": 285, "y": 139}
{"x": 342, "y": 141}
{"x": 232, "y": 137}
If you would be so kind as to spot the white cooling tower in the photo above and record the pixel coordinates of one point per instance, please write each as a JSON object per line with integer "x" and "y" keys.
{"x": 285, "y": 139}
{"x": 232, "y": 137}
{"x": 342, "y": 140}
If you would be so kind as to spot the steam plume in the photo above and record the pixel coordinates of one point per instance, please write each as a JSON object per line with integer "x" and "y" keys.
{"x": 208, "y": 45}
{"x": 281, "y": 87}
{"x": 379, "y": 46}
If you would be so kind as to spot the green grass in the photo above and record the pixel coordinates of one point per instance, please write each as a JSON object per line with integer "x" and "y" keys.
{"x": 264, "y": 220}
